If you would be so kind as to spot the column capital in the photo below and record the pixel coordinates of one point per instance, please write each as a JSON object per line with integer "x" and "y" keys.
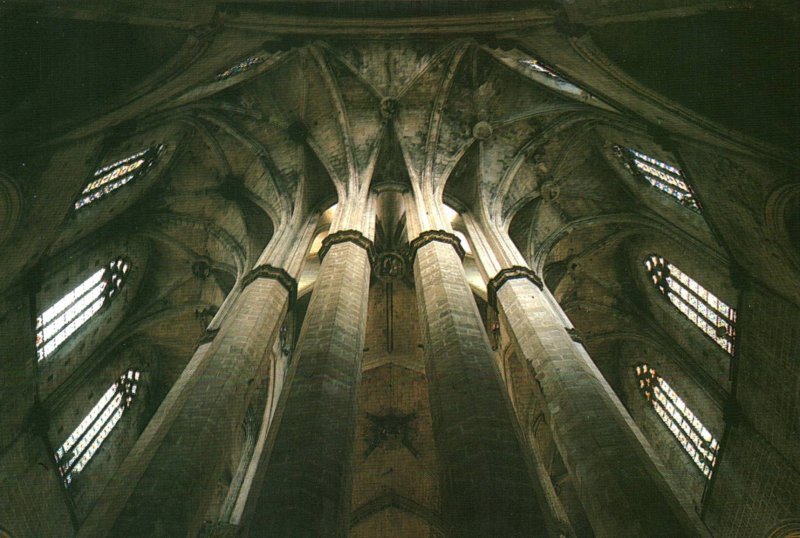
{"x": 509, "y": 273}
{"x": 275, "y": 273}
{"x": 436, "y": 235}
{"x": 343, "y": 236}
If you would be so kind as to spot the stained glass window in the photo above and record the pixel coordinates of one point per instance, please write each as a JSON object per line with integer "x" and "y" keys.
{"x": 547, "y": 73}
{"x": 662, "y": 176}
{"x": 713, "y": 316}
{"x": 60, "y": 321}
{"x": 540, "y": 67}
{"x": 113, "y": 176}
{"x": 241, "y": 67}
{"x": 82, "y": 444}
{"x": 693, "y": 436}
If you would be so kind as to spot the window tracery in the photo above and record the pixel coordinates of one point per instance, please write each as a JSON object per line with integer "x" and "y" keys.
{"x": 663, "y": 176}
{"x": 83, "y": 443}
{"x": 73, "y": 310}
{"x": 113, "y": 176}
{"x": 685, "y": 426}
{"x": 712, "y": 315}
{"x": 240, "y": 67}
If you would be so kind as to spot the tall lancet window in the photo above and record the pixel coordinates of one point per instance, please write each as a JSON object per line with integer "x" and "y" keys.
{"x": 715, "y": 318}
{"x": 82, "y": 444}
{"x": 663, "y": 176}
{"x": 113, "y": 176}
{"x": 60, "y": 321}
{"x": 693, "y": 436}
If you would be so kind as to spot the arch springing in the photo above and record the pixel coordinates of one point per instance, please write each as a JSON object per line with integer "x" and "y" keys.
{"x": 113, "y": 176}
{"x": 712, "y": 315}
{"x": 690, "y": 432}
{"x": 68, "y": 314}
{"x": 82, "y": 444}
{"x": 662, "y": 176}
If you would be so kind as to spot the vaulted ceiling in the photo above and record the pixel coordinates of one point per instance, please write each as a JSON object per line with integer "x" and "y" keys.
{"x": 250, "y": 153}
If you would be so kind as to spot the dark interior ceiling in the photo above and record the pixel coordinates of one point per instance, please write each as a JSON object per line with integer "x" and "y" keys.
{"x": 739, "y": 69}
{"x": 378, "y": 8}
{"x": 56, "y": 71}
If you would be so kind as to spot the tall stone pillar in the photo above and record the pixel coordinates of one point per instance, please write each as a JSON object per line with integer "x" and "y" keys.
{"x": 303, "y": 484}
{"x": 165, "y": 481}
{"x": 488, "y": 488}
{"x": 616, "y": 473}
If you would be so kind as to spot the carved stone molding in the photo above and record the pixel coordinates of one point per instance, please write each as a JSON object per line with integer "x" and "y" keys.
{"x": 389, "y": 107}
{"x": 275, "y": 273}
{"x": 219, "y": 529}
{"x": 436, "y": 235}
{"x": 390, "y": 265}
{"x": 11, "y": 207}
{"x": 504, "y": 275}
{"x": 575, "y": 335}
{"x": 343, "y": 236}
{"x": 208, "y": 336}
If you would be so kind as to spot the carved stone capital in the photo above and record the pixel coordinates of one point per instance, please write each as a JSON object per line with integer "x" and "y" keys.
{"x": 275, "y": 273}
{"x": 343, "y": 236}
{"x": 436, "y": 235}
{"x": 504, "y": 275}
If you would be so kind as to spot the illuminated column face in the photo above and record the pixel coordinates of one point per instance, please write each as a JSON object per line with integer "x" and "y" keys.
{"x": 71, "y": 312}
{"x": 84, "y": 442}
{"x": 693, "y": 436}
{"x": 713, "y": 316}
{"x": 111, "y": 177}
{"x": 661, "y": 175}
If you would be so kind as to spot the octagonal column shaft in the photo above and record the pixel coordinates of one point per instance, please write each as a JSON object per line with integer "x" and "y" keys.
{"x": 488, "y": 489}
{"x": 302, "y": 487}
{"x": 166, "y": 480}
{"x": 619, "y": 479}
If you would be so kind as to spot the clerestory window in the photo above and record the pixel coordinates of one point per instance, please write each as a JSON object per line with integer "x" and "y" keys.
{"x": 686, "y": 427}
{"x": 713, "y": 316}
{"x": 240, "y": 67}
{"x": 664, "y": 177}
{"x": 83, "y": 443}
{"x": 113, "y": 176}
{"x": 71, "y": 312}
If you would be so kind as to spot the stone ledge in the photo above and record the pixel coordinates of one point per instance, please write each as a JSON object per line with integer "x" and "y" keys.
{"x": 343, "y": 236}
{"x": 504, "y": 275}
{"x": 275, "y": 273}
{"x": 436, "y": 235}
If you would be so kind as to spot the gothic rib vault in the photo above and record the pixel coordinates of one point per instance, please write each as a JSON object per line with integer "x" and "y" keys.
{"x": 386, "y": 278}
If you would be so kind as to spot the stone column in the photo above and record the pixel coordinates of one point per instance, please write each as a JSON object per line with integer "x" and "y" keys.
{"x": 163, "y": 485}
{"x": 617, "y": 475}
{"x": 302, "y": 487}
{"x": 488, "y": 488}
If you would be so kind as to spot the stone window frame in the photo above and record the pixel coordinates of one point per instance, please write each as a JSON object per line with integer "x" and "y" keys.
{"x": 96, "y": 291}
{"x": 111, "y": 177}
{"x": 664, "y": 177}
{"x": 97, "y": 425}
{"x": 658, "y": 270}
{"x": 696, "y": 440}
